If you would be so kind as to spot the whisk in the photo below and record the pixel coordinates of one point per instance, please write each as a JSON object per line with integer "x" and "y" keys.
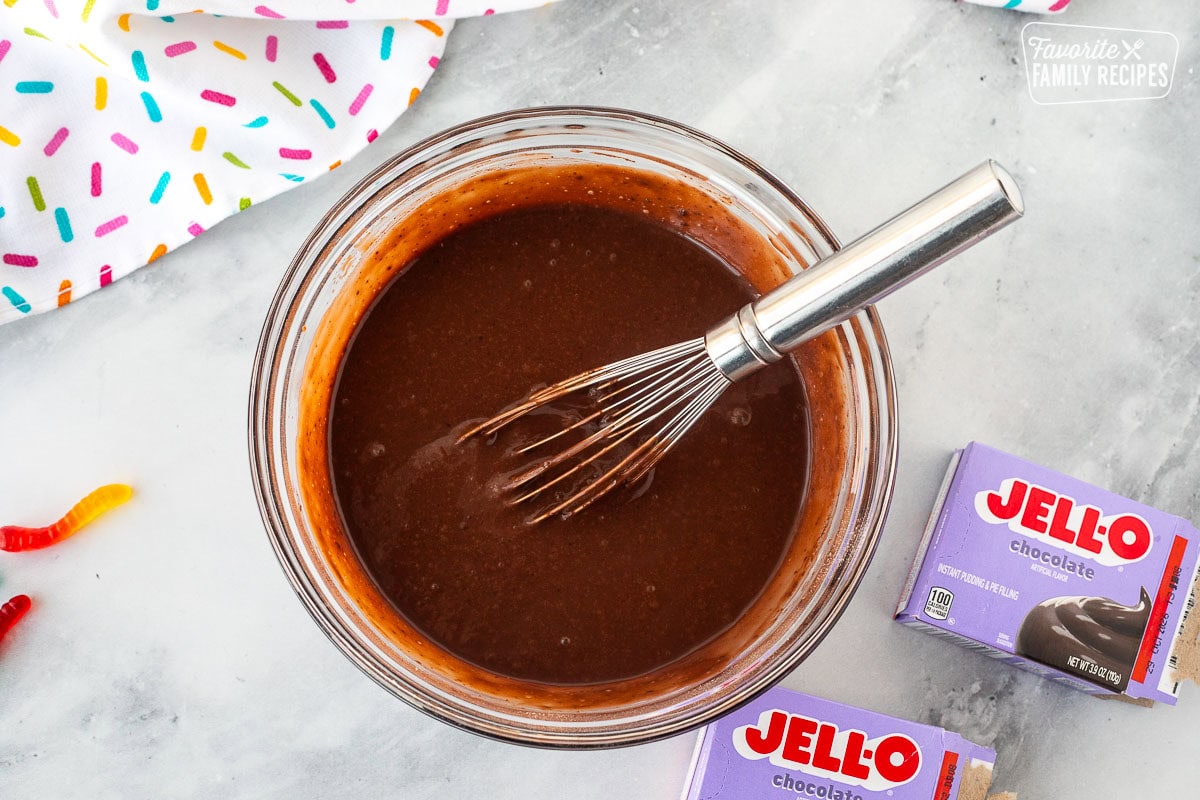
{"x": 639, "y": 408}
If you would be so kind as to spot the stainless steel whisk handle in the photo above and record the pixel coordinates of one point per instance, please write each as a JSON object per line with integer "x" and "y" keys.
{"x": 826, "y": 294}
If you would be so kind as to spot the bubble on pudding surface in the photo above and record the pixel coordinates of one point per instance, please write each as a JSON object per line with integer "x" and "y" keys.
{"x": 740, "y": 416}
{"x": 564, "y": 641}
{"x": 376, "y": 449}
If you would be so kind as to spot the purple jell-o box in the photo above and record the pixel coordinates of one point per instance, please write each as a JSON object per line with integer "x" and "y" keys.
{"x": 1054, "y": 575}
{"x": 788, "y": 744}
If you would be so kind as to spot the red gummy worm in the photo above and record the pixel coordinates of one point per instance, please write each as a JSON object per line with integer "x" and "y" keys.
{"x": 14, "y": 538}
{"x": 12, "y": 611}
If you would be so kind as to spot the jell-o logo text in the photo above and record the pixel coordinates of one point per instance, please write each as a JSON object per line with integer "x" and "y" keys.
{"x": 1056, "y": 519}
{"x": 804, "y": 744}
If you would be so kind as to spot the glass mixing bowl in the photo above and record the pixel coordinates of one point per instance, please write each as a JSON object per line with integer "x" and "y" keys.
{"x": 329, "y": 286}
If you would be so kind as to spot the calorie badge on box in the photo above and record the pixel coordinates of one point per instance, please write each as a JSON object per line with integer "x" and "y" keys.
{"x": 1057, "y": 576}
{"x": 787, "y": 744}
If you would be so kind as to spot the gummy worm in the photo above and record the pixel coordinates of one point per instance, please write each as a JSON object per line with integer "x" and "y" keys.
{"x": 14, "y": 538}
{"x": 12, "y": 611}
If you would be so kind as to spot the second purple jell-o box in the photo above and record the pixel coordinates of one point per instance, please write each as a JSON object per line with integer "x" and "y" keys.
{"x": 1054, "y": 575}
{"x": 787, "y": 744}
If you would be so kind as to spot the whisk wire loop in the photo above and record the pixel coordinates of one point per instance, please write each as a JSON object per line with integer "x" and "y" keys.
{"x": 645, "y": 403}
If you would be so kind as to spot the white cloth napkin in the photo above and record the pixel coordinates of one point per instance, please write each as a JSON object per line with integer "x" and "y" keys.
{"x": 128, "y": 127}
{"x": 1032, "y": 6}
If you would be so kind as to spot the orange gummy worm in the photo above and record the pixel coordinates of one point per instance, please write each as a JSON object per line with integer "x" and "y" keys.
{"x": 14, "y": 538}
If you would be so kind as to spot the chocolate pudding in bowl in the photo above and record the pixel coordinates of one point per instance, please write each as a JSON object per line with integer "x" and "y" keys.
{"x": 503, "y": 255}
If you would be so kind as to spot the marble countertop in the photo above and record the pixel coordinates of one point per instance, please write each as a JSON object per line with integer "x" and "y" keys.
{"x": 168, "y": 657}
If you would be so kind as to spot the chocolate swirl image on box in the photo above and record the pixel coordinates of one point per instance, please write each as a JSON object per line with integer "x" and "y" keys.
{"x": 1095, "y": 638}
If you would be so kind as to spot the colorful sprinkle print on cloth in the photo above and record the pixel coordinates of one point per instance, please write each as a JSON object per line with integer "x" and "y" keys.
{"x": 129, "y": 127}
{"x": 1032, "y": 6}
